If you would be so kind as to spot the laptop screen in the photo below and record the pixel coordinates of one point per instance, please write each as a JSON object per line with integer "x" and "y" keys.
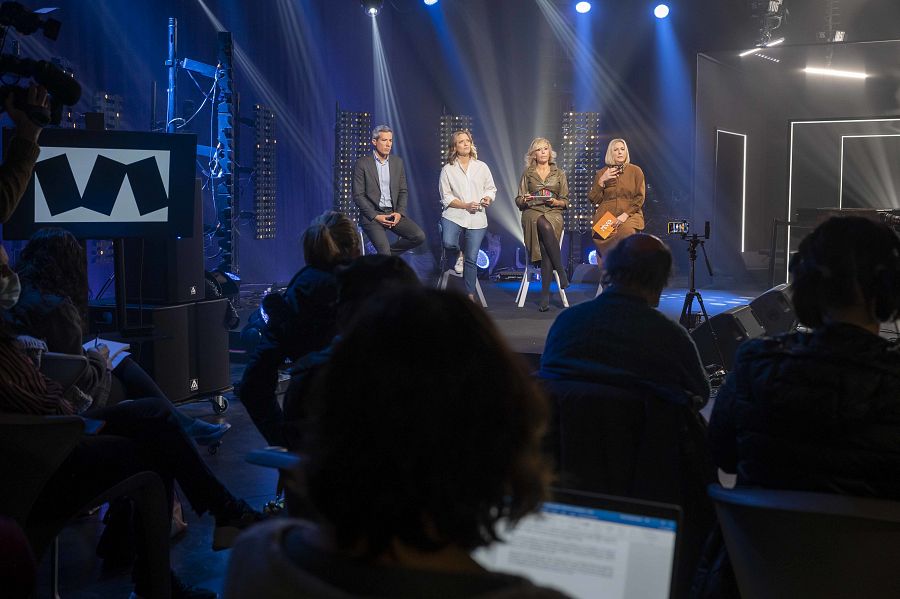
{"x": 592, "y": 546}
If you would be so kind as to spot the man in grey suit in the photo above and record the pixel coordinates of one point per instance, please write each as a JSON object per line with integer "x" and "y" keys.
{"x": 379, "y": 189}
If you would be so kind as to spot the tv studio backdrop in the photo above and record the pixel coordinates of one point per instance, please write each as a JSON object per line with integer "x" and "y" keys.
{"x": 139, "y": 187}
{"x": 777, "y": 139}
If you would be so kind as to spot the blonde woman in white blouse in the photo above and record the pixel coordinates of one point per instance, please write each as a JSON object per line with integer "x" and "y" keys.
{"x": 466, "y": 188}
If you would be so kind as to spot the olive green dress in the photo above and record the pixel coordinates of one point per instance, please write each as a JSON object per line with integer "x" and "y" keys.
{"x": 531, "y": 184}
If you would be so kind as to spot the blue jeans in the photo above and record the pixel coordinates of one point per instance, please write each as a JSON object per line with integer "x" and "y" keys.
{"x": 450, "y": 233}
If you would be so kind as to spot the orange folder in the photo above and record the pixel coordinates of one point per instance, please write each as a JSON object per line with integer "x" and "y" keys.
{"x": 605, "y": 226}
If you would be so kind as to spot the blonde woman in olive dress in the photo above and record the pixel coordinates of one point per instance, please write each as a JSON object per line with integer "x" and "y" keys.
{"x": 543, "y": 195}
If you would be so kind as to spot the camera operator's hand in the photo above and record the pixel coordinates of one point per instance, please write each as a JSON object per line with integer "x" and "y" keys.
{"x": 35, "y": 95}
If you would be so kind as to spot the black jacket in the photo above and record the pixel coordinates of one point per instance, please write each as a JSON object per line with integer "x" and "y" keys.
{"x": 813, "y": 412}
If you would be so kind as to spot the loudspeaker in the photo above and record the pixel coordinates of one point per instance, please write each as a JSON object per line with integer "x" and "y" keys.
{"x": 210, "y": 346}
{"x": 187, "y": 351}
{"x": 732, "y": 328}
{"x": 775, "y": 311}
{"x": 167, "y": 271}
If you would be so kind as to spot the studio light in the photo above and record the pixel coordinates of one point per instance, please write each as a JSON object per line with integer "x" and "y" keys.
{"x": 583, "y": 7}
{"x": 758, "y": 48}
{"x": 372, "y": 7}
{"x": 482, "y": 261}
{"x": 835, "y": 73}
{"x": 430, "y": 2}
{"x": 661, "y": 11}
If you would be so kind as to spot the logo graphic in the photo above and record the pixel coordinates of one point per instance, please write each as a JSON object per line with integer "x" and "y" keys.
{"x": 101, "y": 185}
{"x": 195, "y": 385}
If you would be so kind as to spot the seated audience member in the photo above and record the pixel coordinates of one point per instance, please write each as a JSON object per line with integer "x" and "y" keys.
{"x": 820, "y": 410}
{"x": 361, "y": 280}
{"x": 411, "y": 464}
{"x": 817, "y": 410}
{"x": 619, "y": 338}
{"x": 52, "y": 307}
{"x": 136, "y": 436}
{"x": 300, "y": 321}
{"x": 23, "y": 150}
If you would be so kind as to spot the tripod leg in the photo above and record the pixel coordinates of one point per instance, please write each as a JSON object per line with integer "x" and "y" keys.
{"x": 687, "y": 319}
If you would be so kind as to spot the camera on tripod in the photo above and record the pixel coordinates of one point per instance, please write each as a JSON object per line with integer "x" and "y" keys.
{"x": 61, "y": 86}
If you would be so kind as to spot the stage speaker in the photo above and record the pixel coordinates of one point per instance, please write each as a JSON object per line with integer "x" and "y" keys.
{"x": 586, "y": 273}
{"x": 185, "y": 352}
{"x": 210, "y": 346}
{"x": 732, "y": 328}
{"x": 775, "y": 311}
{"x": 167, "y": 271}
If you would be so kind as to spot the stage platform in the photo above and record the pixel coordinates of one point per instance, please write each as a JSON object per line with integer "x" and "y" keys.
{"x": 526, "y": 329}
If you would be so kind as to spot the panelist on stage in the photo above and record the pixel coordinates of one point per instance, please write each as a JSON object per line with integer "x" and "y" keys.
{"x": 543, "y": 195}
{"x": 379, "y": 189}
{"x": 466, "y": 188}
{"x": 620, "y": 190}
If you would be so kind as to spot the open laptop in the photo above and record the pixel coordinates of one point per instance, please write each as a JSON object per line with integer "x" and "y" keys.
{"x": 593, "y": 546}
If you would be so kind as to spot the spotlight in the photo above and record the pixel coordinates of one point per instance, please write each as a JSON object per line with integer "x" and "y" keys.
{"x": 592, "y": 257}
{"x": 372, "y": 6}
{"x": 482, "y": 261}
{"x": 430, "y": 2}
{"x": 583, "y": 7}
{"x": 661, "y": 11}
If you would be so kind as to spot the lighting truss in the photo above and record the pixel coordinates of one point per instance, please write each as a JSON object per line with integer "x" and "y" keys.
{"x": 581, "y": 155}
{"x": 111, "y": 107}
{"x": 264, "y": 175}
{"x": 352, "y": 141}
{"x": 448, "y": 124}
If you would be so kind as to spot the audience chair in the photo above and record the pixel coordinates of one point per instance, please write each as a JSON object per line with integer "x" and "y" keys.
{"x": 529, "y": 269}
{"x": 800, "y": 544}
{"x": 33, "y": 448}
{"x": 448, "y": 271}
{"x": 639, "y": 443}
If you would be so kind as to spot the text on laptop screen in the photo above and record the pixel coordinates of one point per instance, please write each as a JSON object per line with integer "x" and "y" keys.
{"x": 589, "y": 553}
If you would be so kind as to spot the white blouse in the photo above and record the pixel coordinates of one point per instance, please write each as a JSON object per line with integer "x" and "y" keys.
{"x": 470, "y": 185}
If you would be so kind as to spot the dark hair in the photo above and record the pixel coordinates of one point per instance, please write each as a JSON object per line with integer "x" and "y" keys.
{"x": 426, "y": 428}
{"x": 331, "y": 239}
{"x": 844, "y": 261}
{"x": 53, "y": 262}
{"x": 640, "y": 260}
{"x": 366, "y": 277}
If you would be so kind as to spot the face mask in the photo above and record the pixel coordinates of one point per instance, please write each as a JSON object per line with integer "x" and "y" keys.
{"x": 9, "y": 288}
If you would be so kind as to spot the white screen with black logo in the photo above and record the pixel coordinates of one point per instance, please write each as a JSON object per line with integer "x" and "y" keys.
{"x": 589, "y": 553}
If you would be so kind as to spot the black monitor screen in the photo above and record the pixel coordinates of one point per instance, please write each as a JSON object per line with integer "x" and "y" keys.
{"x": 109, "y": 184}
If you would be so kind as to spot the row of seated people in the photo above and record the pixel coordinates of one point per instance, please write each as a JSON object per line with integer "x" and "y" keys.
{"x": 627, "y": 384}
{"x": 133, "y": 428}
{"x": 421, "y": 431}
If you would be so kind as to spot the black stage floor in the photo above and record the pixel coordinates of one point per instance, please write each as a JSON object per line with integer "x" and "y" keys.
{"x": 526, "y": 329}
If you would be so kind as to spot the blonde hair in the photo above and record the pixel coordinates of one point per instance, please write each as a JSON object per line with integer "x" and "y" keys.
{"x": 451, "y": 145}
{"x": 529, "y": 155}
{"x": 610, "y": 161}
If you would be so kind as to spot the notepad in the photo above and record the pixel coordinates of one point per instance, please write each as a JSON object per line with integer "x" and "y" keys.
{"x": 117, "y": 351}
{"x": 606, "y": 225}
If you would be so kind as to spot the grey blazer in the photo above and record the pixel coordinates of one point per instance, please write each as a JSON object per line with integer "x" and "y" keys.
{"x": 367, "y": 189}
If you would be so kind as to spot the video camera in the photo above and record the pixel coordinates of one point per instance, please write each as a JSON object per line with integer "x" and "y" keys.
{"x": 683, "y": 228}
{"x": 61, "y": 86}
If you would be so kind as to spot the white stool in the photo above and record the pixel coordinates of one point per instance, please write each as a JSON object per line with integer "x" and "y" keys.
{"x": 523, "y": 286}
{"x": 446, "y": 273}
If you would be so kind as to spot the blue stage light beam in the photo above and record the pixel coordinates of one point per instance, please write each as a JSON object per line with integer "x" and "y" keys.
{"x": 430, "y": 2}
{"x": 501, "y": 137}
{"x": 302, "y": 138}
{"x": 386, "y": 106}
{"x": 612, "y": 97}
{"x": 583, "y": 7}
{"x": 661, "y": 11}
{"x": 673, "y": 72}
